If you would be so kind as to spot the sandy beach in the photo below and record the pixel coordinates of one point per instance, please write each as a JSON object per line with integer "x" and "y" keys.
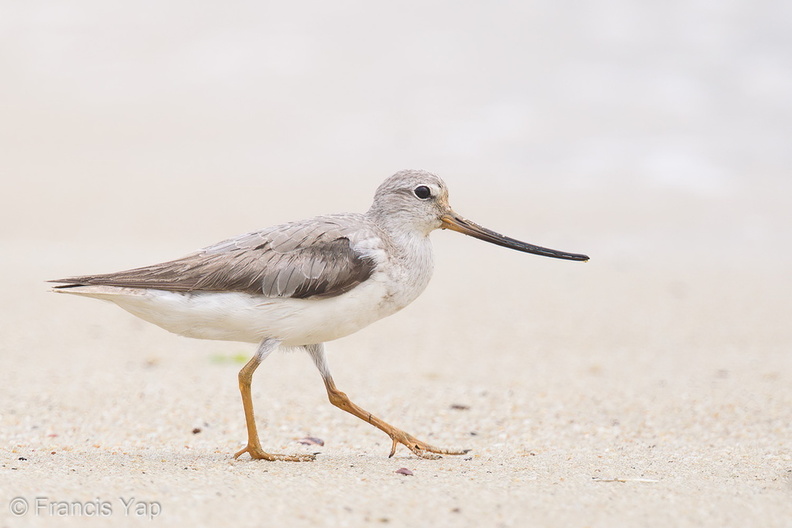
{"x": 651, "y": 386}
{"x": 650, "y": 390}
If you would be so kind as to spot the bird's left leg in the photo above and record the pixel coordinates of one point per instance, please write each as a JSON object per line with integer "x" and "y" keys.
{"x": 253, "y": 447}
{"x": 342, "y": 401}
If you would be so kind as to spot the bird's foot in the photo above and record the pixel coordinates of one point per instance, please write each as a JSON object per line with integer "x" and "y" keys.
{"x": 257, "y": 453}
{"x": 422, "y": 449}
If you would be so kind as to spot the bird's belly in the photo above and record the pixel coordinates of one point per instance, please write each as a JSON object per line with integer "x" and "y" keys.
{"x": 308, "y": 321}
{"x": 236, "y": 316}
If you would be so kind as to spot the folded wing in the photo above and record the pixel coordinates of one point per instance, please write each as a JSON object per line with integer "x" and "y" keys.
{"x": 299, "y": 260}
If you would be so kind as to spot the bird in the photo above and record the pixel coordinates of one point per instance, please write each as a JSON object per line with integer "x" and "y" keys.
{"x": 302, "y": 284}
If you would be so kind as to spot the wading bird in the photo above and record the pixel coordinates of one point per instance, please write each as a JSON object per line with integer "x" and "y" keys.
{"x": 301, "y": 284}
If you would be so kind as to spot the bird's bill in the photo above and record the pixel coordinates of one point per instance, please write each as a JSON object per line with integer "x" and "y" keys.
{"x": 462, "y": 225}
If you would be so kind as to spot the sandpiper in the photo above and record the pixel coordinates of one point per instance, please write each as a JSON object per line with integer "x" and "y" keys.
{"x": 301, "y": 284}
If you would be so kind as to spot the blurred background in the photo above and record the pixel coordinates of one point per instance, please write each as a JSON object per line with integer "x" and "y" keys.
{"x": 671, "y": 119}
{"x": 654, "y": 136}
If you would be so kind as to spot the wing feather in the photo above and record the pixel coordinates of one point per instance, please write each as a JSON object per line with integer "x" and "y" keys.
{"x": 300, "y": 260}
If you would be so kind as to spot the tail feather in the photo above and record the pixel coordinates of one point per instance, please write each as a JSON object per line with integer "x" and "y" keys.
{"x": 70, "y": 283}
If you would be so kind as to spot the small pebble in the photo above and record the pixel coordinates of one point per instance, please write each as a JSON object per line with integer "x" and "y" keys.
{"x": 404, "y": 471}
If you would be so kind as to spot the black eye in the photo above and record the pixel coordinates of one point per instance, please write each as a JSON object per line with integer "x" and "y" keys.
{"x": 422, "y": 192}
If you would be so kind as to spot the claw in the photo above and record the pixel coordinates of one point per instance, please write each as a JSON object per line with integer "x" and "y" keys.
{"x": 256, "y": 453}
{"x": 421, "y": 449}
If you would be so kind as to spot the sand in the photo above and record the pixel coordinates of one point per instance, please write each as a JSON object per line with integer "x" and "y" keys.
{"x": 651, "y": 386}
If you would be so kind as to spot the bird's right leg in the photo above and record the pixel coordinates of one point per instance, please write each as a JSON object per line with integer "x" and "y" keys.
{"x": 342, "y": 401}
{"x": 253, "y": 447}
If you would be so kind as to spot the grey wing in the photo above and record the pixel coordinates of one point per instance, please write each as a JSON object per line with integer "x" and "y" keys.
{"x": 300, "y": 260}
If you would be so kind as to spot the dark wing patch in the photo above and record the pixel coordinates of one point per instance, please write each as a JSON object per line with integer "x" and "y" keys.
{"x": 309, "y": 265}
{"x": 319, "y": 270}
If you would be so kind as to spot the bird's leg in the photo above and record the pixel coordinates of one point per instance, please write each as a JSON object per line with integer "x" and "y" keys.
{"x": 342, "y": 401}
{"x": 253, "y": 446}
{"x": 422, "y": 449}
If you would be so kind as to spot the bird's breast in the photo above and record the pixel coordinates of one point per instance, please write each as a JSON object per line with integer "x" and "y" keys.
{"x": 404, "y": 273}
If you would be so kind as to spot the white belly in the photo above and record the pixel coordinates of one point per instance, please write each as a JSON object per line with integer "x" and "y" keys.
{"x": 235, "y": 316}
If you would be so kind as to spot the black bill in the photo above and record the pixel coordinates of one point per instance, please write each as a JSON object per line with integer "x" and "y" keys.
{"x": 461, "y": 225}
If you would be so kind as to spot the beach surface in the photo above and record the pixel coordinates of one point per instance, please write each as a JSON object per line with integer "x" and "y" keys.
{"x": 651, "y": 386}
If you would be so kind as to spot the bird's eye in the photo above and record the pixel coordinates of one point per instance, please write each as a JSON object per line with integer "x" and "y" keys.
{"x": 422, "y": 192}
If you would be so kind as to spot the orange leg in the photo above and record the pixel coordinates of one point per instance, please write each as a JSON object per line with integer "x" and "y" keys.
{"x": 342, "y": 401}
{"x": 253, "y": 447}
